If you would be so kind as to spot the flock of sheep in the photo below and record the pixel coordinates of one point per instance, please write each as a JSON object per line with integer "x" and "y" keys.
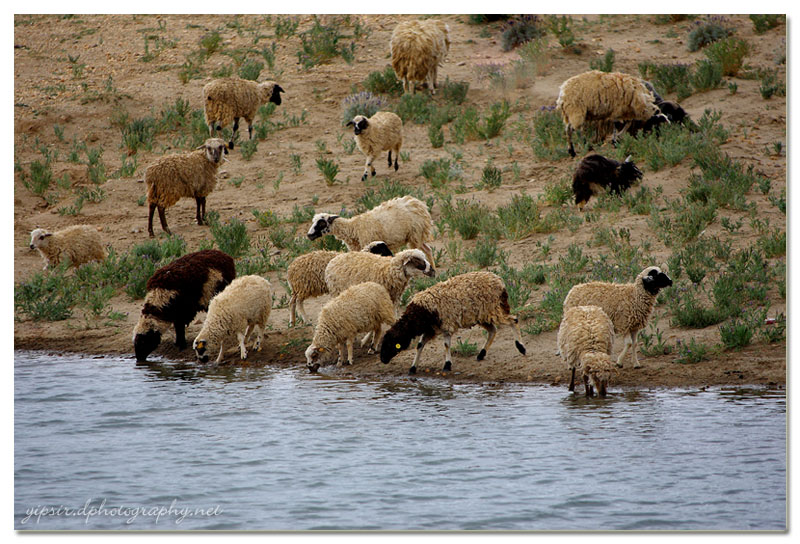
{"x": 366, "y": 283}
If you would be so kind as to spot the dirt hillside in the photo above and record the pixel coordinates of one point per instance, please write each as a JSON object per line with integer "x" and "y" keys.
{"x": 80, "y": 80}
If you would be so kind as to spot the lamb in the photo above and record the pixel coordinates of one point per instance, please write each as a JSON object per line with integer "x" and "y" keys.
{"x": 669, "y": 112}
{"x": 585, "y": 338}
{"x": 306, "y": 276}
{"x": 243, "y": 306}
{"x": 398, "y": 222}
{"x": 228, "y": 99}
{"x": 381, "y": 132}
{"x": 417, "y": 49}
{"x": 474, "y": 298}
{"x": 177, "y": 176}
{"x": 364, "y": 307}
{"x": 79, "y": 244}
{"x": 175, "y": 293}
{"x": 629, "y": 305}
{"x": 595, "y": 173}
{"x": 392, "y": 273}
{"x": 602, "y": 96}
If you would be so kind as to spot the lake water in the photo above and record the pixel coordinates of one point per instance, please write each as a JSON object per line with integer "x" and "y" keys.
{"x": 105, "y": 443}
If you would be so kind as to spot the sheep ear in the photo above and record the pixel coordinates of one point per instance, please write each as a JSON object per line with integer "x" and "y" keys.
{"x": 201, "y": 146}
{"x": 350, "y": 124}
{"x": 46, "y": 234}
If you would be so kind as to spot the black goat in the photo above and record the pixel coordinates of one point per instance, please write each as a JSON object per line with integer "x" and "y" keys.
{"x": 595, "y": 173}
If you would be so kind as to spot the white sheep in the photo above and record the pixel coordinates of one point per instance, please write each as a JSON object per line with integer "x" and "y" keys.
{"x": 393, "y": 273}
{"x": 597, "y": 96}
{"x": 474, "y": 298}
{"x": 361, "y": 308}
{"x": 306, "y": 276}
{"x": 183, "y": 175}
{"x": 228, "y": 99}
{"x": 243, "y": 306}
{"x": 629, "y": 305}
{"x": 585, "y": 339}
{"x": 381, "y": 132}
{"x": 398, "y": 222}
{"x": 417, "y": 49}
{"x": 78, "y": 243}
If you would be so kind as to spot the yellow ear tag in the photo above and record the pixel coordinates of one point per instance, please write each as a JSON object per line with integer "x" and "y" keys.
{"x": 320, "y": 349}
{"x": 397, "y": 346}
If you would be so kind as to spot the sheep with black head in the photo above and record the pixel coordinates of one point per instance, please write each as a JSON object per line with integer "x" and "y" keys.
{"x": 596, "y": 173}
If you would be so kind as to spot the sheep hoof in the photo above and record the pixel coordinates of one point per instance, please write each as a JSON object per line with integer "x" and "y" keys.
{"x": 482, "y": 355}
{"x": 364, "y": 177}
{"x": 447, "y": 366}
{"x": 520, "y": 347}
{"x": 395, "y": 167}
{"x": 373, "y": 173}
{"x": 619, "y": 365}
{"x": 412, "y": 370}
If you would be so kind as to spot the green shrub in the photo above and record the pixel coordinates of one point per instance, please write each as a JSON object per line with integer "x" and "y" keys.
{"x": 606, "y": 64}
{"x": 322, "y": 43}
{"x": 139, "y": 133}
{"x": 385, "y": 82}
{"x": 770, "y": 84}
{"x": 439, "y": 171}
{"x": 416, "y": 108}
{"x": 466, "y": 217}
{"x": 736, "y": 334}
{"x": 707, "y": 75}
{"x": 454, "y": 92}
{"x": 436, "y": 136}
{"x": 485, "y": 253}
{"x": 691, "y": 352}
{"x": 709, "y": 30}
{"x": 667, "y": 78}
{"x": 548, "y": 140}
{"x": 46, "y": 296}
{"x": 729, "y": 53}
{"x": 762, "y": 23}
{"x": 251, "y": 69}
{"x": 363, "y": 103}
{"x": 491, "y": 177}
{"x": 211, "y": 43}
{"x": 329, "y": 170}
{"x": 561, "y": 28}
{"x": 521, "y": 29}
{"x": 248, "y": 148}
{"x": 232, "y": 237}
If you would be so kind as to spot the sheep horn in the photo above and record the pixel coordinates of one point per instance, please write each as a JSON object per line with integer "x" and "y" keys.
{"x": 350, "y": 124}
{"x": 628, "y": 158}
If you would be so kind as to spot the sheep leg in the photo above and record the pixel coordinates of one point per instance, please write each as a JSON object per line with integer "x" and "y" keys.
{"x": 572, "y": 380}
{"x": 369, "y": 337}
{"x": 390, "y": 158}
{"x": 211, "y": 129}
{"x": 219, "y": 357}
{"x": 201, "y": 202}
{"x": 448, "y": 363}
{"x": 292, "y": 310}
{"x": 624, "y": 351}
{"x": 518, "y": 340}
{"x": 589, "y": 390}
{"x": 421, "y": 344}
{"x": 302, "y": 311}
{"x": 634, "y": 347}
{"x": 180, "y": 335}
{"x": 149, "y": 222}
{"x": 349, "y": 351}
{"x": 623, "y": 130}
{"x": 396, "y": 154}
{"x": 163, "y": 218}
{"x": 235, "y": 130}
{"x": 259, "y": 337}
{"x": 492, "y": 330}
{"x": 242, "y": 349}
{"x": 250, "y": 130}
{"x": 377, "y": 336}
{"x": 571, "y": 148}
{"x": 341, "y": 355}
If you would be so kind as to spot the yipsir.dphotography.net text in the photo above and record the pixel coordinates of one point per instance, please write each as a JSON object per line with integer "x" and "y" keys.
{"x": 172, "y": 513}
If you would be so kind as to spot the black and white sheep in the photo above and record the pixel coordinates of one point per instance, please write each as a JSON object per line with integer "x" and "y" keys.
{"x": 596, "y": 173}
{"x": 176, "y": 292}
{"x": 474, "y": 298}
{"x": 229, "y": 99}
{"x": 597, "y": 96}
{"x": 374, "y": 135}
{"x": 629, "y": 305}
{"x": 398, "y": 222}
{"x": 184, "y": 175}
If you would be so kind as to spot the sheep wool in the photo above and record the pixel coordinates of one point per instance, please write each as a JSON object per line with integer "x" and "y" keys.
{"x": 398, "y": 222}
{"x": 392, "y": 273}
{"x": 628, "y": 305}
{"x": 176, "y": 292}
{"x": 595, "y": 173}
{"x": 585, "y": 339}
{"x": 361, "y": 308}
{"x": 603, "y": 96}
{"x": 306, "y": 276}
{"x": 381, "y": 132}
{"x": 474, "y": 298}
{"x": 229, "y": 99}
{"x": 190, "y": 175}
{"x": 417, "y": 49}
{"x": 242, "y": 307}
{"x": 79, "y": 244}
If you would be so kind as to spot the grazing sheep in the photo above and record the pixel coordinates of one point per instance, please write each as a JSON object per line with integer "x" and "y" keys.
{"x": 242, "y": 307}
{"x": 585, "y": 339}
{"x": 474, "y": 298}
{"x": 381, "y": 132}
{"x": 175, "y": 293}
{"x": 629, "y": 305}
{"x": 417, "y": 49}
{"x": 398, "y": 222}
{"x": 596, "y": 173}
{"x": 79, "y": 244}
{"x": 392, "y": 273}
{"x": 669, "y": 112}
{"x": 306, "y": 276}
{"x": 361, "y": 308}
{"x": 601, "y": 96}
{"x": 190, "y": 175}
{"x": 228, "y": 99}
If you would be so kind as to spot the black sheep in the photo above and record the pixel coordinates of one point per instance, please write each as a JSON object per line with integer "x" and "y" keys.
{"x": 670, "y": 112}
{"x": 176, "y": 292}
{"x": 595, "y": 173}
